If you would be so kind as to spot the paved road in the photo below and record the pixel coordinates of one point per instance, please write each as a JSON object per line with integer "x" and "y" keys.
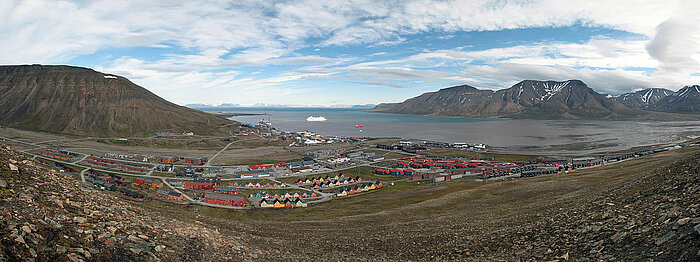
{"x": 82, "y": 175}
{"x": 219, "y": 153}
{"x": 81, "y": 159}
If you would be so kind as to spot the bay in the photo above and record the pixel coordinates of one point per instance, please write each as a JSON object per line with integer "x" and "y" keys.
{"x": 569, "y": 137}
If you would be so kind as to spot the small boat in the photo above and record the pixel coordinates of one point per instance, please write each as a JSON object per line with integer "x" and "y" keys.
{"x": 315, "y": 119}
{"x": 358, "y": 126}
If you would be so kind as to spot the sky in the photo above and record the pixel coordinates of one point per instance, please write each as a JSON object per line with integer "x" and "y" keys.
{"x": 339, "y": 53}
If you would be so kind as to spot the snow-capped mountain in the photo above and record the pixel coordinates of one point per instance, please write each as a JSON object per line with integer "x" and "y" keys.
{"x": 527, "y": 99}
{"x": 686, "y": 100}
{"x": 643, "y": 99}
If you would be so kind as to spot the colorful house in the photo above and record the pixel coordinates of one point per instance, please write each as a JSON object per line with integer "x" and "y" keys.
{"x": 226, "y": 190}
{"x": 278, "y": 203}
{"x": 175, "y": 196}
{"x": 130, "y": 193}
{"x": 256, "y": 194}
{"x": 264, "y": 203}
{"x": 224, "y": 199}
{"x": 342, "y": 192}
{"x": 396, "y": 172}
{"x": 299, "y": 203}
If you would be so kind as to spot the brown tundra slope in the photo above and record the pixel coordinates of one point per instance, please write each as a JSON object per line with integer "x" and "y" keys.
{"x": 76, "y": 100}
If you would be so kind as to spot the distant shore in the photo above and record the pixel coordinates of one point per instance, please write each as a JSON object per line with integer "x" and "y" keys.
{"x": 230, "y": 114}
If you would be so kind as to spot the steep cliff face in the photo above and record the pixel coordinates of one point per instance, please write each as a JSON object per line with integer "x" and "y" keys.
{"x": 528, "y": 99}
{"x": 82, "y": 101}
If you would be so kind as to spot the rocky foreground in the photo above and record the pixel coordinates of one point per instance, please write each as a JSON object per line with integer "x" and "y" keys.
{"x": 47, "y": 216}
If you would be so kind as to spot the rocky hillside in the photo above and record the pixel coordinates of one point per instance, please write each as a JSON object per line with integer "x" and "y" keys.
{"x": 571, "y": 99}
{"x": 82, "y": 101}
{"x": 48, "y": 216}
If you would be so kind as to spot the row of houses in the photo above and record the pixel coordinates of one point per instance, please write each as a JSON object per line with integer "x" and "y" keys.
{"x": 440, "y": 176}
{"x": 143, "y": 158}
{"x": 285, "y": 195}
{"x": 267, "y": 166}
{"x": 301, "y": 169}
{"x": 105, "y": 182}
{"x": 113, "y": 164}
{"x": 335, "y": 183}
{"x": 325, "y": 153}
{"x": 261, "y": 185}
{"x": 195, "y": 161}
{"x": 148, "y": 183}
{"x": 64, "y": 169}
{"x": 403, "y": 146}
{"x": 224, "y": 199}
{"x": 418, "y": 165}
{"x": 171, "y": 195}
{"x": 302, "y": 163}
{"x": 281, "y": 203}
{"x": 192, "y": 185}
{"x": 359, "y": 188}
{"x": 202, "y": 183}
{"x": 539, "y": 171}
{"x": 60, "y": 151}
{"x": 103, "y": 185}
{"x": 226, "y": 190}
{"x": 394, "y": 171}
{"x": 307, "y": 180}
{"x": 130, "y": 193}
{"x": 54, "y": 154}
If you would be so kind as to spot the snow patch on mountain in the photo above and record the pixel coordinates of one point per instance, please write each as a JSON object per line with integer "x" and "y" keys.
{"x": 554, "y": 89}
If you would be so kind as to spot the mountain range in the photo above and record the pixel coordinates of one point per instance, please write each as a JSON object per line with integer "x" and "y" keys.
{"x": 533, "y": 99}
{"x": 685, "y": 100}
{"x": 82, "y": 101}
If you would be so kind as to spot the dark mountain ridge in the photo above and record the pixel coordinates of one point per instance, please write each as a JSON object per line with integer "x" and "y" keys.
{"x": 76, "y": 100}
{"x": 643, "y": 99}
{"x": 570, "y": 99}
{"x": 686, "y": 100}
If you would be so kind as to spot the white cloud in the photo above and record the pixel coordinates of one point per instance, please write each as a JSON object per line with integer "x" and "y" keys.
{"x": 224, "y": 36}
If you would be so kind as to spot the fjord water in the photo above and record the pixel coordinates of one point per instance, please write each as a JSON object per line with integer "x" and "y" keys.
{"x": 512, "y": 135}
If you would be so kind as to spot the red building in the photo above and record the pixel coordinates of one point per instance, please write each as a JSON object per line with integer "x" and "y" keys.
{"x": 224, "y": 199}
{"x": 199, "y": 185}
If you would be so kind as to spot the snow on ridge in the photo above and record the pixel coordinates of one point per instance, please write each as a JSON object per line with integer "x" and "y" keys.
{"x": 645, "y": 97}
{"x": 686, "y": 90}
{"x": 110, "y": 77}
{"x": 554, "y": 89}
{"x": 520, "y": 92}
